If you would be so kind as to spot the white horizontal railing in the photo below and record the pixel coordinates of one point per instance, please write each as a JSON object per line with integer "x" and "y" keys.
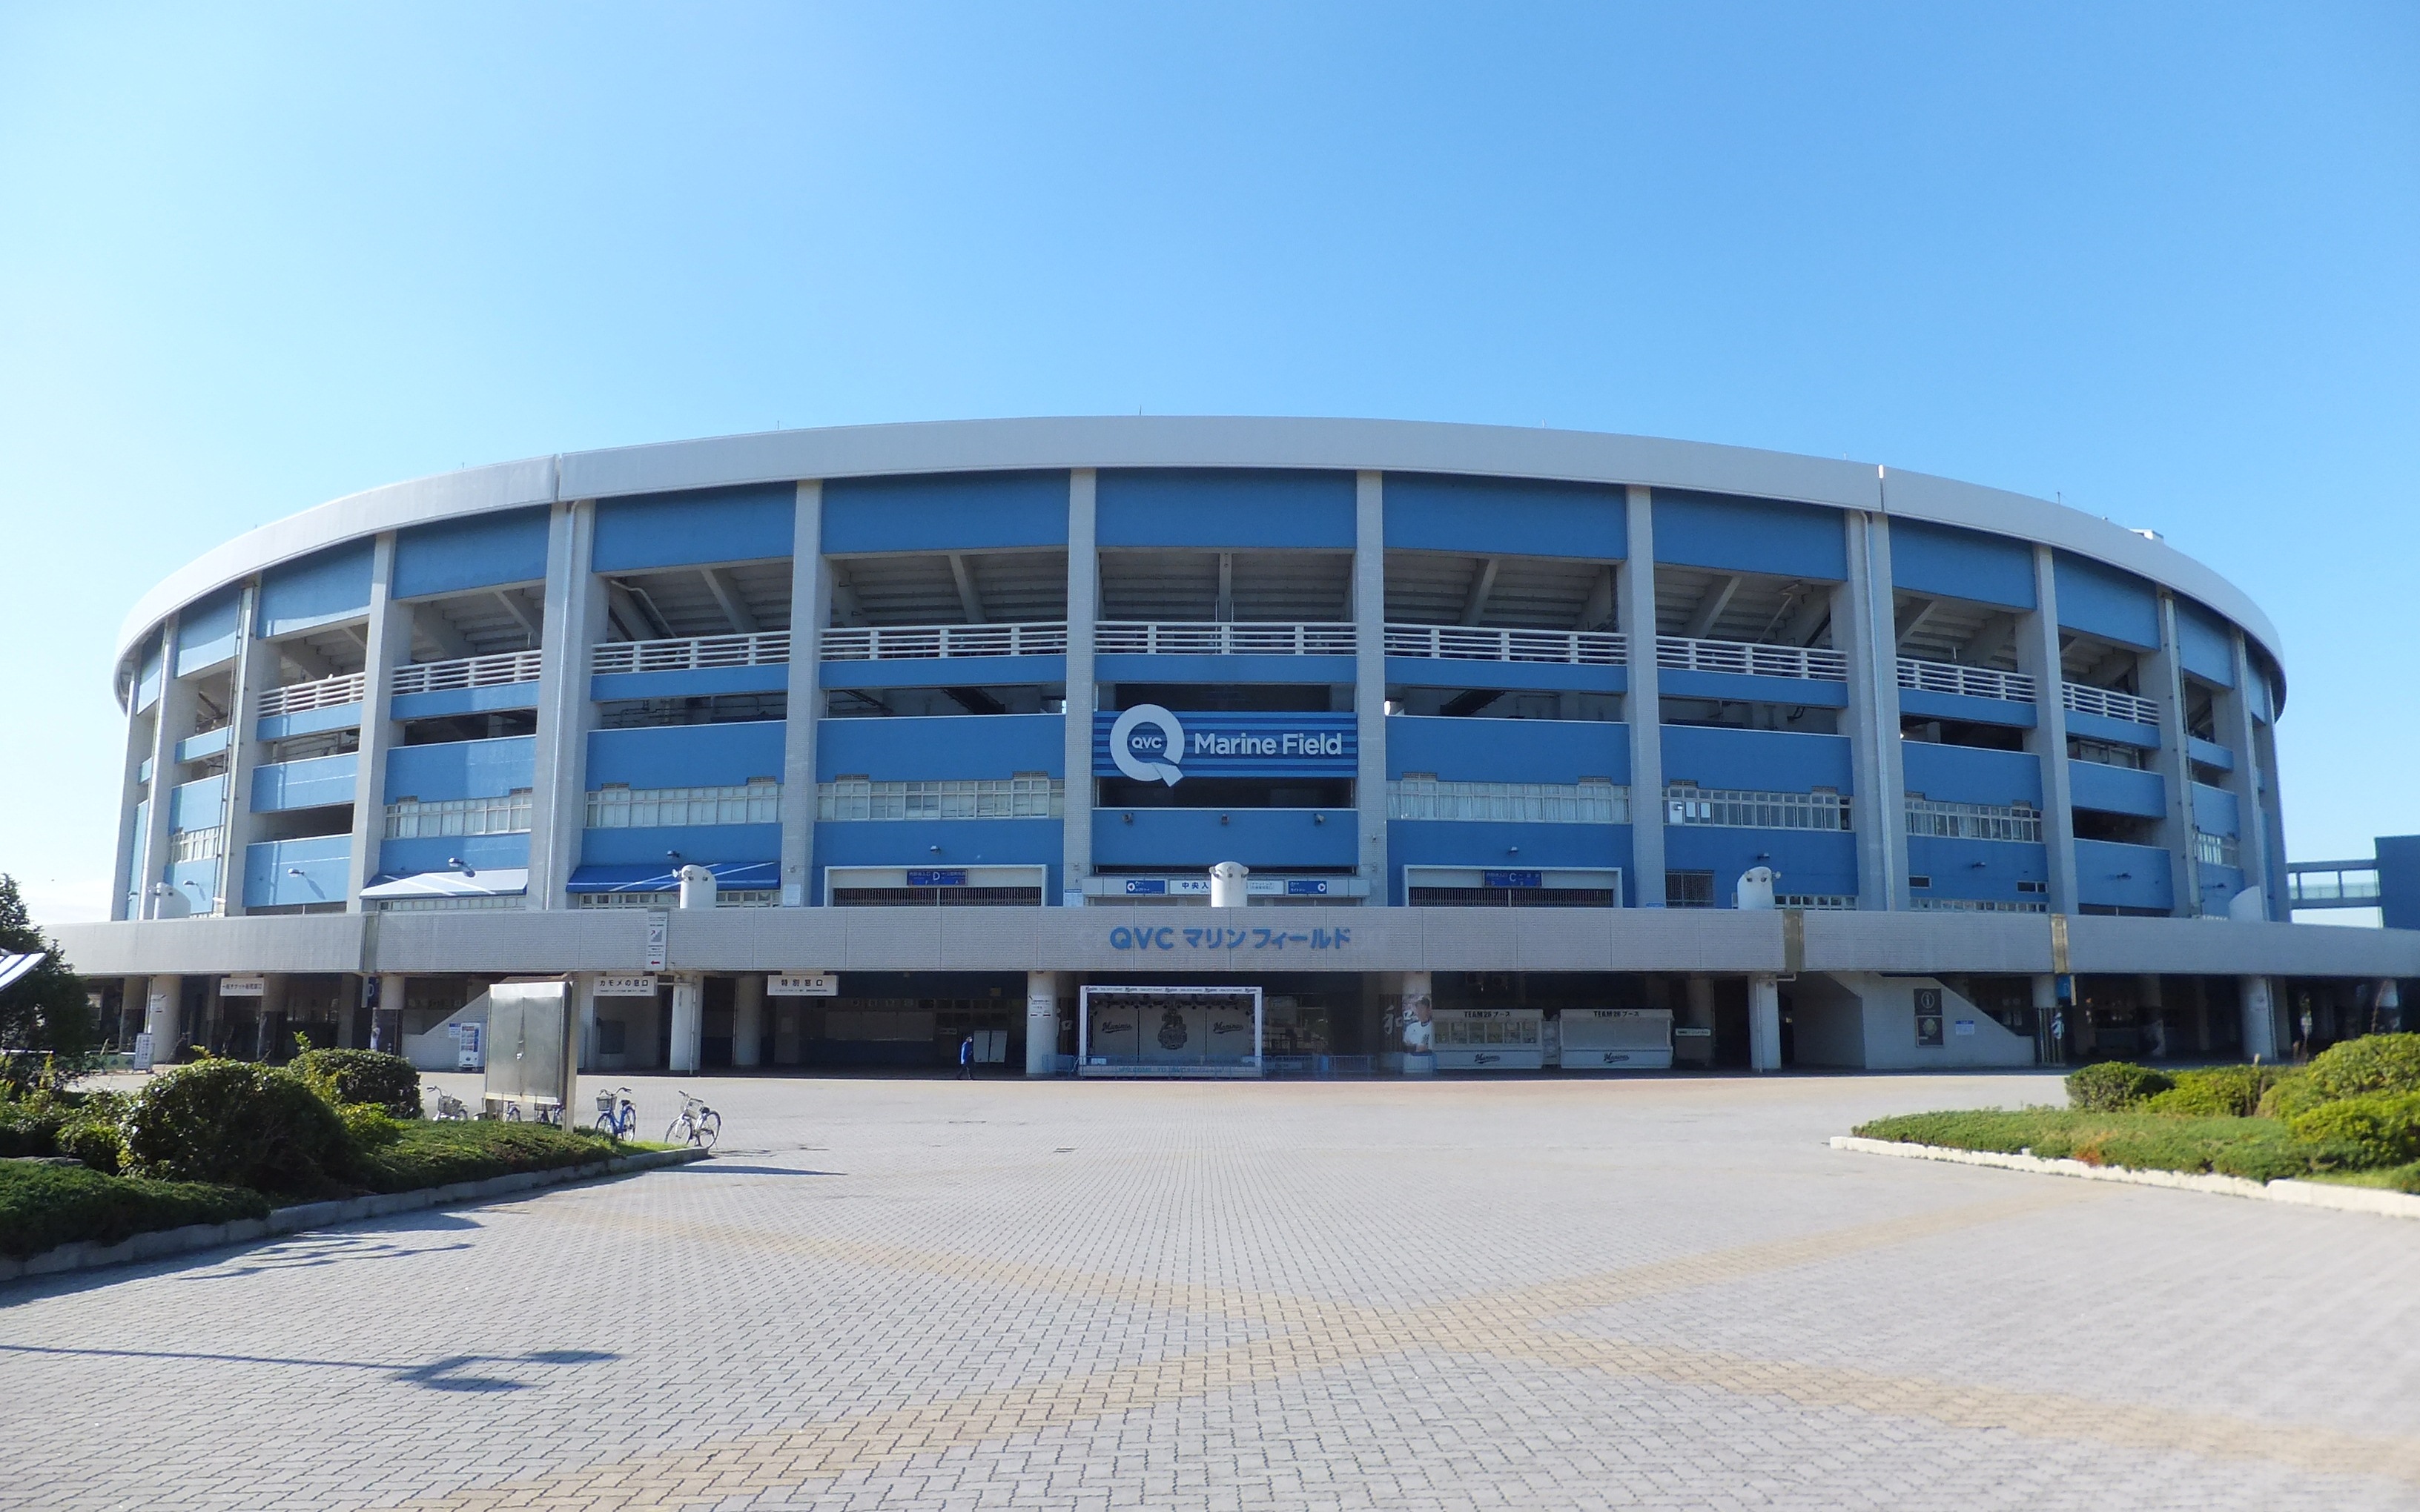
{"x": 1679, "y": 653}
{"x": 467, "y": 671}
{"x": 1967, "y": 682}
{"x": 1150, "y": 638}
{"x": 931, "y": 642}
{"x": 770, "y": 648}
{"x": 297, "y": 697}
{"x": 1456, "y": 642}
{"x": 2110, "y": 705}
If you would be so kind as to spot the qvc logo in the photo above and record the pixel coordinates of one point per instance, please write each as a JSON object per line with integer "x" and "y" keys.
{"x": 1147, "y": 743}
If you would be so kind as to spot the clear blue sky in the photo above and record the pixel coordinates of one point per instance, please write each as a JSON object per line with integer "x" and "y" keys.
{"x": 2161, "y": 260}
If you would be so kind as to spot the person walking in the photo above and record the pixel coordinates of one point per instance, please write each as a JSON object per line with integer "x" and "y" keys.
{"x": 967, "y": 1059}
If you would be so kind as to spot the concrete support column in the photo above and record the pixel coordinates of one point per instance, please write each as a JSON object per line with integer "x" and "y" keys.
{"x": 2037, "y": 657}
{"x": 1417, "y": 1039}
{"x": 2260, "y": 1018}
{"x": 2164, "y": 679}
{"x": 575, "y": 606}
{"x": 2238, "y": 728}
{"x": 1700, "y": 1011}
{"x": 689, "y": 1021}
{"x": 171, "y": 721}
{"x": 386, "y": 1020}
{"x": 748, "y": 1020}
{"x": 810, "y": 611}
{"x": 128, "y": 897}
{"x": 1764, "y": 1022}
{"x": 1042, "y": 990}
{"x": 1642, "y": 706}
{"x": 1369, "y": 679}
{"x": 253, "y": 663}
{"x": 133, "y": 1005}
{"x": 2151, "y": 1007}
{"x": 163, "y": 1015}
{"x": 1880, "y": 803}
{"x": 1084, "y": 611}
{"x": 348, "y": 1014}
{"x": 389, "y": 646}
{"x": 269, "y": 1008}
{"x": 2048, "y": 1049}
{"x": 583, "y": 1005}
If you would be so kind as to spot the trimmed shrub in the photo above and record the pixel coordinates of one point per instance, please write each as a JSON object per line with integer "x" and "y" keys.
{"x": 31, "y": 1126}
{"x": 370, "y": 1127}
{"x": 229, "y": 1121}
{"x": 2373, "y": 1063}
{"x": 2381, "y": 1129}
{"x": 2220, "y": 1092}
{"x": 94, "y": 1141}
{"x": 43, "y": 1206}
{"x": 369, "y": 1077}
{"x": 2113, "y": 1085}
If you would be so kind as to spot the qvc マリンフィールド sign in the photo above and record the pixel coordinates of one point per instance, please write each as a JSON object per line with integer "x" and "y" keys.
{"x": 1150, "y": 744}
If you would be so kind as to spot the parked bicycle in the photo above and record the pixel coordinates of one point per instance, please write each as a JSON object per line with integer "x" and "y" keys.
{"x": 697, "y": 1125}
{"x": 452, "y": 1108}
{"x": 549, "y": 1113}
{"x": 616, "y": 1115}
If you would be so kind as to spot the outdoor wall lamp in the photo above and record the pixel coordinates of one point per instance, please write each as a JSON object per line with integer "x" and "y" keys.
{"x": 1130, "y": 818}
{"x": 453, "y": 863}
{"x": 1223, "y": 819}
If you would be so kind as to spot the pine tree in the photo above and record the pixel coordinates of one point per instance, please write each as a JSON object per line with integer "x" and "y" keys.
{"x": 46, "y": 1008}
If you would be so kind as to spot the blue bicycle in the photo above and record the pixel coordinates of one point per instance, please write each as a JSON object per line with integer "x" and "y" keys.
{"x": 616, "y": 1115}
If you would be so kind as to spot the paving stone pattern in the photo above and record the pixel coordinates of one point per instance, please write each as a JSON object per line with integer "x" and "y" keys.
{"x": 935, "y": 1294}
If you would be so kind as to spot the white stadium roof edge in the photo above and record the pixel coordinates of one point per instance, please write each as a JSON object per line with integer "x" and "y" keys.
{"x": 1192, "y": 441}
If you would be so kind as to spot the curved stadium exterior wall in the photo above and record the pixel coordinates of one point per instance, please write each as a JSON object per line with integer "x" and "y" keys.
{"x": 995, "y": 696}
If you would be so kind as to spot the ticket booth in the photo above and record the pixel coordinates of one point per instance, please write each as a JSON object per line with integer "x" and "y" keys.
{"x": 1168, "y": 1032}
{"x": 1623, "y": 1039}
{"x": 1490, "y": 1039}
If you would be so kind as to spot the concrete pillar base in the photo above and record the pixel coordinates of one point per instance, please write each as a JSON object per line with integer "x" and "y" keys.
{"x": 1042, "y": 1023}
{"x": 1764, "y": 1022}
{"x": 688, "y": 1023}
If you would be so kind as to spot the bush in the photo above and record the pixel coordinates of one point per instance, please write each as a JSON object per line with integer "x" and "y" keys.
{"x": 2381, "y": 1129}
{"x": 2260, "y": 1150}
{"x": 2220, "y": 1092}
{"x": 31, "y": 1126}
{"x": 94, "y": 1141}
{"x": 370, "y": 1077}
{"x": 2373, "y": 1063}
{"x": 429, "y": 1152}
{"x": 232, "y": 1122}
{"x": 2113, "y": 1085}
{"x": 43, "y": 1206}
{"x": 370, "y": 1127}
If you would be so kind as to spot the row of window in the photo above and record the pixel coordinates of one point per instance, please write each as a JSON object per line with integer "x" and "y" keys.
{"x": 1938, "y": 820}
{"x": 1734, "y": 807}
{"x": 757, "y": 801}
{"x": 412, "y": 819}
{"x": 197, "y": 844}
{"x": 1026, "y": 796}
{"x": 1588, "y": 801}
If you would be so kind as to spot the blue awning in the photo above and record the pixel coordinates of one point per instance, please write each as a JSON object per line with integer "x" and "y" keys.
{"x": 728, "y": 876}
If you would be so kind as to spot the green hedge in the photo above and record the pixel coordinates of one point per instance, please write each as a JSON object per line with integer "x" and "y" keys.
{"x": 2219, "y": 1092}
{"x": 367, "y": 1077}
{"x": 43, "y": 1206}
{"x": 2384, "y": 1126}
{"x": 2260, "y": 1150}
{"x": 239, "y": 1124}
{"x": 2114, "y": 1085}
{"x": 428, "y": 1152}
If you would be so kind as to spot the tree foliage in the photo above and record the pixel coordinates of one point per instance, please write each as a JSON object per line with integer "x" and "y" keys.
{"x": 46, "y": 1009}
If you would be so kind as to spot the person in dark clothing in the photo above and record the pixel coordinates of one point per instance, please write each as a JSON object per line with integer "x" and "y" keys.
{"x": 967, "y": 1059}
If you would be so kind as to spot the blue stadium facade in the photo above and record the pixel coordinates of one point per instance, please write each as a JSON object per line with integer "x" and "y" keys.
{"x": 1803, "y": 761}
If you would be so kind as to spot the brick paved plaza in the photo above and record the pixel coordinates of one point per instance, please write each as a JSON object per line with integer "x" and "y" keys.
{"x": 1537, "y": 1293}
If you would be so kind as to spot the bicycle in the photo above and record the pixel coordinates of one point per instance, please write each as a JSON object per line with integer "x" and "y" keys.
{"x": 452, "y": 1108}
{"x": 616, "y": 1116}
{"x": 697, "y": 1125}
{"x": 549, "y": 1113}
